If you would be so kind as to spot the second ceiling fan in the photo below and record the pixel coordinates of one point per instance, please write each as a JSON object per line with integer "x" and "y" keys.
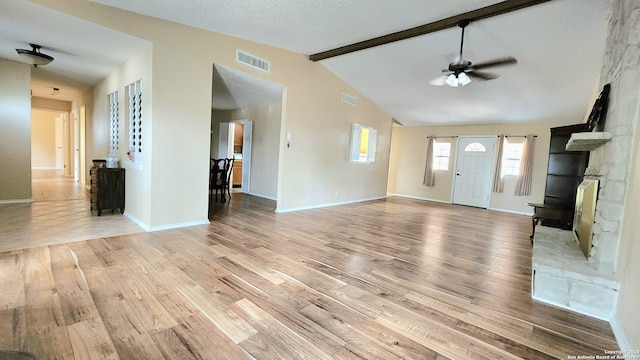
{"x": 461, "y": 71}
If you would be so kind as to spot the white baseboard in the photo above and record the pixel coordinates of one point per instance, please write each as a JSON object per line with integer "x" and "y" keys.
{"x": 621, "y": 337}
{"x": 179, "y": 225}
{"x": 261, "y": 196}
{"x": 148, "y": 228}
{"x": 136, "y": 221}
{"x": 419, "y": 198}
{"x": 16, "y": 201}
{"x": 326, "y": 205}
{"x": 449, "y": 202}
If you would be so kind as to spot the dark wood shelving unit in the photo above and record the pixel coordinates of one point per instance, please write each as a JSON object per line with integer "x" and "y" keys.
{"x": 565, "y": 172}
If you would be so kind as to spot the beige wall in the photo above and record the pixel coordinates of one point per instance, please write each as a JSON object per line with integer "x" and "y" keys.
{"x": 312, "y": 170}
{"x": 408, "y": 160}
{"x": 265, "y": 145}
{"x": 50, "y": 104}
{"x": 628, "y": 263}
{"x": 43, "y": 142}
{"x": 137, "y": 191}
{"x": 15, "y": 131}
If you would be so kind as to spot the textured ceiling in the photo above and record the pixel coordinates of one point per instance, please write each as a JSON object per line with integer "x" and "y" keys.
{"x": 303, "y": 26}
{"x": 233, "y": 89}
{"x": 559, "y": 46}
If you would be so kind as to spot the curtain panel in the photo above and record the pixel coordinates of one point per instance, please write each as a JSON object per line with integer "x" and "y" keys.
{"x": 523, "y": 186}
{"x": 429, "y": 172}
{"x": 498, "y": 178}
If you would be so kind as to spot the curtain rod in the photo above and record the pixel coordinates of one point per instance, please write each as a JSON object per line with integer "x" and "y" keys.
{"x": 455, "y": 136}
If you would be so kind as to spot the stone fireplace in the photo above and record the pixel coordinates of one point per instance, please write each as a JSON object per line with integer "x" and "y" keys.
{"x": 564, "y": 273}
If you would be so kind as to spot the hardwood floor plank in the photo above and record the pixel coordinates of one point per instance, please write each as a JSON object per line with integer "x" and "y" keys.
{"x": 290, "y": 343}
{"x": 286, "y": 306}
{"x": 449, "y": 343}
{"x": 13, "y": 327}
{"x": 90, "y": 340}
{"x": 366, "y": 338}
{"x": 71, "y": 286}
{"x": 249, "y": 263}
{"x": 46, "y": 332}
{"x": 11, "y": 280}
{"x": 197, "y": 338}
{"x": 224, "y": 318}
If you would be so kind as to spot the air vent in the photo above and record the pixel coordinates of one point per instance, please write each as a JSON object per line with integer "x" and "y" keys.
{"x": 352, "y": 100}
{"x": 253, "y": 61}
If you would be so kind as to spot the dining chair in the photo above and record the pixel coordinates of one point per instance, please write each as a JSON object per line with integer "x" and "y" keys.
{"x": 229, "y": 182}
{"x": 218, "y": 178}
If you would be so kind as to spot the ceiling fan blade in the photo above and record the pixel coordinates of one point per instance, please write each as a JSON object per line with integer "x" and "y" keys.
{"x": 497, "y": 62}
{"x": 482, "y": 75}
{"x": 439, "y": 81}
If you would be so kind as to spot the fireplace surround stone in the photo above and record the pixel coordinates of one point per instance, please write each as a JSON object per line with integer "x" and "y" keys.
{"x": 562, "y": 276}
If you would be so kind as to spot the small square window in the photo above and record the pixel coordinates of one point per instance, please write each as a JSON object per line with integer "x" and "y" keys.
{"x": 363, "y": 144}
{"x": 512, "y": 155}
{"x": 441, "y": 154}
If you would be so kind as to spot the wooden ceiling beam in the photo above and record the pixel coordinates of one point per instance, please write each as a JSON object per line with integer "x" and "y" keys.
{"x": 475, "y": 15}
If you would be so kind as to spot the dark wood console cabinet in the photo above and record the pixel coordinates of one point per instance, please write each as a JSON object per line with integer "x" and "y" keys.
{"x": 107, "y": 189}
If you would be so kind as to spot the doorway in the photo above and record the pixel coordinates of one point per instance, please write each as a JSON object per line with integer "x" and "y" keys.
{"x": 51, "y": 162}
{"x": 474, "y": 165}
{"x": 235, "y": 141}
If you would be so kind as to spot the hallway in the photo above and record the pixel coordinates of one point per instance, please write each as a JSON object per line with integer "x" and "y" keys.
{"x": 59, "y": 213}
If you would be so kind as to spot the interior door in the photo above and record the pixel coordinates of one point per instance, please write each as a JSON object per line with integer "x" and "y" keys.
{"x": 225, "y": 148}
{"x": 59, "y": 142}
{"x": 76, "y": 148}
{"x": 225, "y": 140}
{"x": 246, "y": 155}
{"x": 474, "y": 167}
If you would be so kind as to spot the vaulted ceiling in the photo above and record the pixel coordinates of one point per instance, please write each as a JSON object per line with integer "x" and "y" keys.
{"x": 559, "y": 46}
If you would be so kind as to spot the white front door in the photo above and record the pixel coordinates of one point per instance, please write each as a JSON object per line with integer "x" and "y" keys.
{"x": 474, "y": 166}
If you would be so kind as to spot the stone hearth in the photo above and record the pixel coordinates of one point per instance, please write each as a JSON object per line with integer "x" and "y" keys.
{"x": 562, "y": 276}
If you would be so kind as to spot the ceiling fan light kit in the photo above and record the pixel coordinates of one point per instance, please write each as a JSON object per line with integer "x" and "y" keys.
{"x": 461, "y": 71}
{"x": 34, "y": 56}
{"x": 454, "y": 80}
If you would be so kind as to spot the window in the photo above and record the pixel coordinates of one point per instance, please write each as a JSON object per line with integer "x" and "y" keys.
{"x": 134, "y": 93}
{"x": 113, "y": 123}
{"x": 511, "y": 158}
{"x": 475, "y": 147}
{"x": 363, "y": 143}
{"x": 441, "y": 152}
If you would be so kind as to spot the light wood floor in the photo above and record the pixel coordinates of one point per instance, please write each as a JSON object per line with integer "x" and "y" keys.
{"x": 60, "y": 213}
{"x": 395, "y": 278}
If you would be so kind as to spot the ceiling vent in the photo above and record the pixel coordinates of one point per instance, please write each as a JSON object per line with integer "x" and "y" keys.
{"x": 351, "y": 100}
{"x": 253, "y": 61}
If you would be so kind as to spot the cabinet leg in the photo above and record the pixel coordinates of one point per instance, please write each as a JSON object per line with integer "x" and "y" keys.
{"x": 534, "y": 221}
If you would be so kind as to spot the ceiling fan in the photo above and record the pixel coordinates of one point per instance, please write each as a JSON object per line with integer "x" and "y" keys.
{"x": 461, "y": 71}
